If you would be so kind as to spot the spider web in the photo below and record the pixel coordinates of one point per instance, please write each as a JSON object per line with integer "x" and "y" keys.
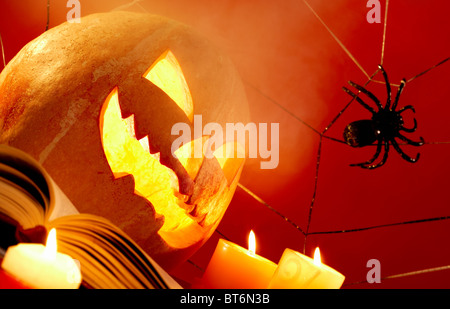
{"x": 323, "y": 135}
{"x": 305, "y": 231}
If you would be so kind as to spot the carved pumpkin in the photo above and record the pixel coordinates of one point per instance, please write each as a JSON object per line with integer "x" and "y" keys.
{"x": 95, "y": 102}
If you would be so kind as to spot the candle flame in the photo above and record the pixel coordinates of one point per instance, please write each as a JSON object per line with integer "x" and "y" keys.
{"x": 50, "y": 247}
{"x": 317, "y": 259}
{"x": 252, "y": 242}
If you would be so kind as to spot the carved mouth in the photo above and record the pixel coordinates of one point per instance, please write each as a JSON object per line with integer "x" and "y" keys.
{"x": 159, "y": 184}
{"x": 128, "y": 156}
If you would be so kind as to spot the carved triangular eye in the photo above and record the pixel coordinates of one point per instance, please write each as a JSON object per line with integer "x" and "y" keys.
{"x": 166, "y": 73}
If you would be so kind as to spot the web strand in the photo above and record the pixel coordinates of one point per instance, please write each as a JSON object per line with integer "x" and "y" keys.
{"x": 3, "y": 52}
{"x": 383, "y": 44}
{"x": 403, "y": 275}
{"x": 426, "y": 71}
{"x": 283, "y": 108}
{"x": 130, "y": 4}
{"x": 48, "y": 15}
{"x": 261, "y": 201}
{"x": 379, "y": 226}
{"x": 336, "y": 39}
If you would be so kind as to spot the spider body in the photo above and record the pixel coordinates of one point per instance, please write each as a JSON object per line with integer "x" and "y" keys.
{"x": 384, "y": 127}
{"x": 361, "y": 133}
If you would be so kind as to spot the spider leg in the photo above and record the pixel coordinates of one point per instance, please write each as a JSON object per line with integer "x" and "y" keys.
{"x": 360, "y": 101}
{"x": 368, "y": 93}
{"x": 388, "y": 87}
{"x": 410, "y": 130}
{"x": 399, "y": 92}
{"x": 377, "y": 154}
{"x": 385, "y": 156}
{"x": 404, "y": 156}
{"x": 366, "y": 165}
{"x": 405, "y": 108}
{"x": 411, "y": 142}
{"x": 415, "y": 122}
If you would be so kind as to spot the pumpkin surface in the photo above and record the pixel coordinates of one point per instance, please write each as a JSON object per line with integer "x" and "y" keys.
{"x": 95, "y": 103}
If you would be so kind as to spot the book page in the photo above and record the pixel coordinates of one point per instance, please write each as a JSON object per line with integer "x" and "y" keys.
{"x": 19, "y": 205}
{"x": 109, "y": 258}
{"x": 32, "y": 176}
{"x": 62, "y": 205}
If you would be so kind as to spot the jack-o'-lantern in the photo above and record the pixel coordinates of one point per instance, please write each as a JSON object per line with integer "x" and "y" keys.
{"x": 96, "y": 102}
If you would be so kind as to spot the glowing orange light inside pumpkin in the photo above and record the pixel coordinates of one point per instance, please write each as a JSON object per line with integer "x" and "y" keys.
{"x": 166, "y": 73}
{"x": 126, "y": 155}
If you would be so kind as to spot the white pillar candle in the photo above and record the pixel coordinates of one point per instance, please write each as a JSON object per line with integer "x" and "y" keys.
{"x": 42, "y": 267}
{"x": 298, "y": 271}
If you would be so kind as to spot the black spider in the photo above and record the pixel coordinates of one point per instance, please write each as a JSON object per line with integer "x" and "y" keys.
{"x": 384, "y": 127}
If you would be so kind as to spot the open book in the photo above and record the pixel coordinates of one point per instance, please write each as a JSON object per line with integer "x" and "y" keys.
{"x": 31, "y": 204}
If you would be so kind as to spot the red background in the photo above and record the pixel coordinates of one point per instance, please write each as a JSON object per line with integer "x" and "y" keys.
{"x": 287, "y": 58}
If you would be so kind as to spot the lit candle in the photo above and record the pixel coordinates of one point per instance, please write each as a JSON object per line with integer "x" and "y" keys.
{"x": 42, "y": 267}
{"x": 298, "y": 271}
{"x": 234, "y": 267}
